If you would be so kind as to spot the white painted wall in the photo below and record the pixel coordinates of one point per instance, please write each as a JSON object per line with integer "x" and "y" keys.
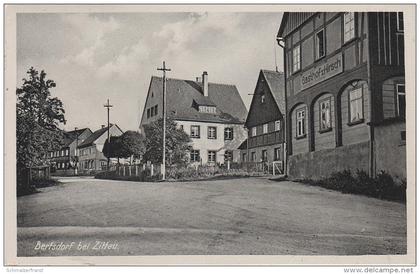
{"x": 219, "y": 144}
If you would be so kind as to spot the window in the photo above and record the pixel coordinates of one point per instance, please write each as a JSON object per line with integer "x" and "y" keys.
{"x": 211, "y": 156}
{"x": 211, "y": 133}
{"x": 228, "y": 133}
{"x": 67, "y": 152}
{"x": 62, "y": 152}
{"x": 325, "y": 114}
{"x": 264, "y": 156}
{"x": 148, "y": 113}
{"x": 253, "y": 156}
{"x": 262, "y": 98}
{"x": 277, "y": 125}
{"x": 181, "y": 127}
{"x": 228, "y": 156}
{"x": 320, "y": 44}
{"x": 51, "y": 154}
{"x": 156, "y": 109}
{"x": 195, "y": 131}
{"x": 265, "y": 128}
{"x": 207, "y": 109}
{"x": 356, "y": 105}
{"x": 401, "y": 100}
{"x": 277, "y": 154}
{"x": 348, "y": 26}
{"x": 400, "y": 21}
{"x": 195, "y": 156}
{"x": 254, "y": 131}
{"x": 244, "y": 157}
{"x": 296, "y": 58}
{"x": 300, "y": 123}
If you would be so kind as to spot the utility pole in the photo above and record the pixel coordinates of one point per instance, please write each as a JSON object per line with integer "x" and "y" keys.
{"x": 163, "y": 169}
{"x": 108, "y": 106}
{"x": 75, "y": 152}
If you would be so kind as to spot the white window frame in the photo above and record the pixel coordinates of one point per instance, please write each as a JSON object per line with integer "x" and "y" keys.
{"x": 197, "y": 135}
{"x": 325, "y": 105}
{"x": 265, "y": 128}
{"x": 264, "y": 155}
{"x": 196, "y": 154}
{"x": 253, "y": 156}
{"x": 301, "y": 122}
{"x": 211, "y": 132}
{"x": 277, "y": 153}
{"x": 254, "y": 131}
{"x": 398, "y": 99}
{"x": 356, "y": 105}
{"x": 226, "y": 155}
{"x": 317, "y": 44}
{"x": 228, "y": 133}
{"x": 277, "y": 125}
{"x": 349, "y": 26}
{"x": 209, "y": 157}
{"x": 296, "y": 58}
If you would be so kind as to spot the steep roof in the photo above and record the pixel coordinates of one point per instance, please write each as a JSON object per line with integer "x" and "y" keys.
{"x": 70, "y": 136}
{"x": 275, "y": 81}
{"x": 94, "y": 136}
{"x": 291, "y": 20}
{"x": 271, "y": 82}
{"x": 183, "y": 94}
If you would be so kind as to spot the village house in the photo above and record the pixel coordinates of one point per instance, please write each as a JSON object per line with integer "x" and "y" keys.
{"x": 212, "y": 114}
{"x": 345, "y": 86}
{"x": 265, "y": 121}
{"x": 91, "y": 158}
{"x": 64, "y": 160}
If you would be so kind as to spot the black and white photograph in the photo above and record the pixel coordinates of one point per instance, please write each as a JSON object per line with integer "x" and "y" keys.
{"x": 155, "y": 131}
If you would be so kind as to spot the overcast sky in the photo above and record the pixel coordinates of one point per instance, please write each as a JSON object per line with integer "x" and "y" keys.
{"x": 97, "y": 56}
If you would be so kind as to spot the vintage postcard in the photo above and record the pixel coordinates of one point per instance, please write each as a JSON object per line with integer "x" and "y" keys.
{"x": 210, "y": 134}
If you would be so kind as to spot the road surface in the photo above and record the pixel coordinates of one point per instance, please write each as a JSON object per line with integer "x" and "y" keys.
{"x": 85, "y": 216}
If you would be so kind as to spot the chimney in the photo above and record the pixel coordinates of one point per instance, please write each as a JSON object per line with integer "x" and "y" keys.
{"x": 102, "y": 126}
{"x": 198, "y": 79}
{"x": 205, "y": 84}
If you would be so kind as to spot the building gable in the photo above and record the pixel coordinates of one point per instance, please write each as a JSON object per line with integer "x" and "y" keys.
{"x": 292, "y": 20}
{"x": 264, "y": 107}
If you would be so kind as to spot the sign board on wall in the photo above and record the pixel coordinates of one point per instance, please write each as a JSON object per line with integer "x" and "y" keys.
{"x": 321, "y": 72}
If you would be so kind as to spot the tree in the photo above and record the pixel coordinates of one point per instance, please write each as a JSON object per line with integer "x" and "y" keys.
{"x": 38, "y": 116}
{"x": 113, "y": 149}
{"x": 132, "y": 144}
{"x": 177, "y": 143}
{"x": 129, "y": 144}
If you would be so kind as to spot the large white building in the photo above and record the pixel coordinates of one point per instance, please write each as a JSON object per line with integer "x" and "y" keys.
{"x": 212, "y": 114}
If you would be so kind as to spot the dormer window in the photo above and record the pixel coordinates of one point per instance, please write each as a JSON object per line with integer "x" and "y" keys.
{"x": 207, "y": 109}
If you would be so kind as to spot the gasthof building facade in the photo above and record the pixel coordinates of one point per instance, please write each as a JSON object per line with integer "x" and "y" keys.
{"x": 345, "y": 92}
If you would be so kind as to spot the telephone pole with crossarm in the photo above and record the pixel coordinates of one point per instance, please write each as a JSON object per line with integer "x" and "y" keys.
{"x": 108, "y": 106}
{"x": 163, "y": 169}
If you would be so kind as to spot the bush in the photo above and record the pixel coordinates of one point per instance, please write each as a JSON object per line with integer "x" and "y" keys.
{"x": 182, "y": 173}
{"x": 24, "y": 189}
{"x": 382, "y": 187}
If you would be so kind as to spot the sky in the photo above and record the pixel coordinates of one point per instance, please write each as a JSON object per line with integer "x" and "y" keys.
{"x": 96, "y": 56}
